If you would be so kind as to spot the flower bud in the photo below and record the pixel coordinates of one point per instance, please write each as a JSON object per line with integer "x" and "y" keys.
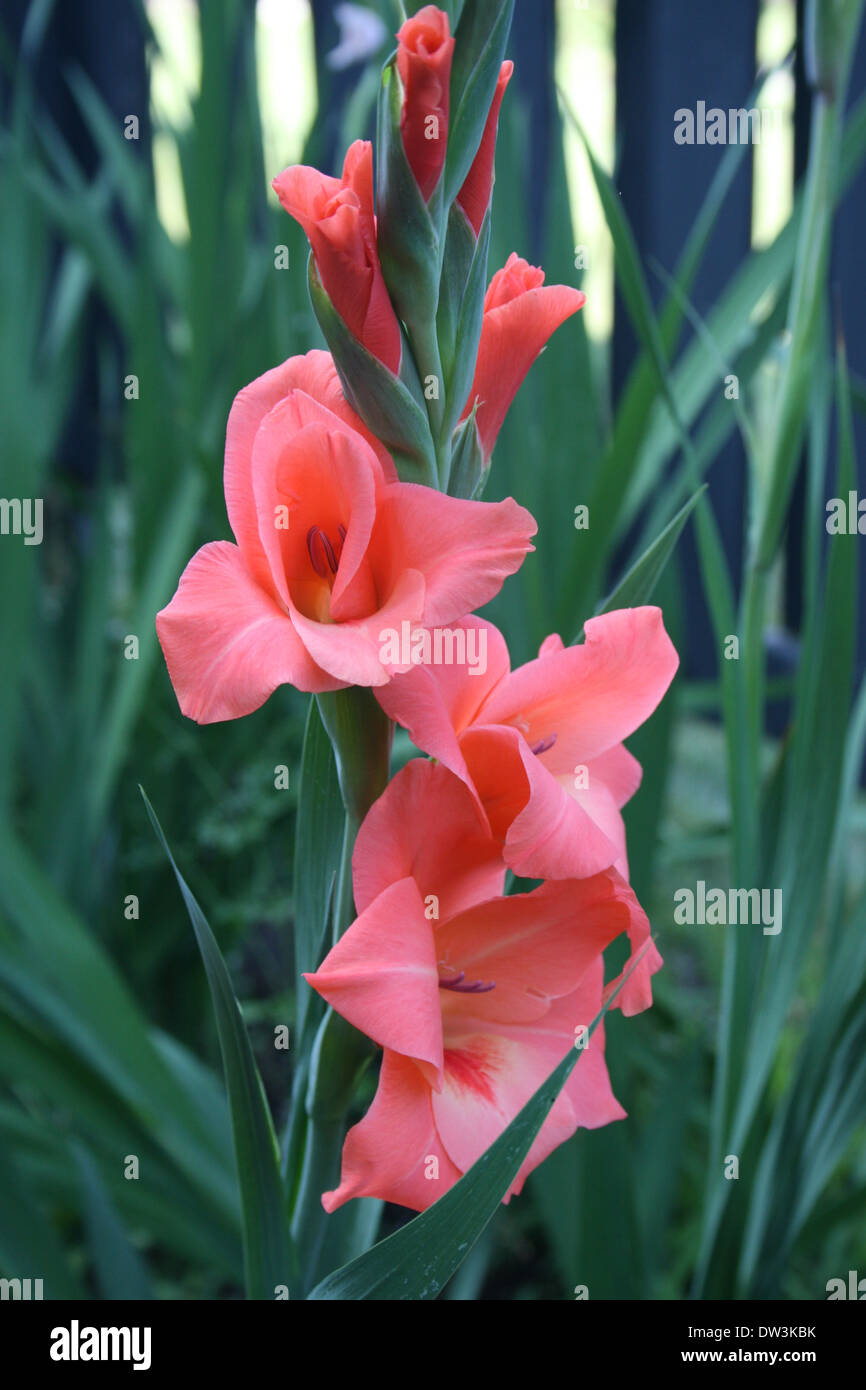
{"x": 520, "y": 314}
{"x": 338, "y": 218}
{"x": 424, "y": 52}
{"x": 474, "y": 196}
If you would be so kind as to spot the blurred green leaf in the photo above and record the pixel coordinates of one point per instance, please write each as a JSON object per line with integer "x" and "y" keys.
{"x": 269, "y": 1258}
{"x": 120, "y": 1272}
{"x": 29, "y": 1246}
{"x": 636, "y": 587}
{"x": 317, "y": 853}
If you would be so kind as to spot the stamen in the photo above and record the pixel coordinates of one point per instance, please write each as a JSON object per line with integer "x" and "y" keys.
{"x": 315, "y": 552}
{"x": 476, "y": 987}
{"x": 545, "y": 744}
{"x": 321, "y": 552}
{"x": 329, "y": 551}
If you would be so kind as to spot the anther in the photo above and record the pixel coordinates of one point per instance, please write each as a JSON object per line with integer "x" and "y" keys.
{"x": 321, "y": 552}
{"x": 457, "y": 984}
{"x": 545, "y": 743}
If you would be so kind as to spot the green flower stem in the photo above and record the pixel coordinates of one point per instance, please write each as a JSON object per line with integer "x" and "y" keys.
{"x": 340, "y": 1055}
{"x": 430, "y": 364}
{"x": 428, "y": 359}
{"x": 344, "y": 901}
{"x": 361, "y": 737}
{"x": 360, "y": 733}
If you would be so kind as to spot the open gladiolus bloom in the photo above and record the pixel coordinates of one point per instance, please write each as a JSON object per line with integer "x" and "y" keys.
{"x": 331, "y": 549}
{"x": 474, "y": 997}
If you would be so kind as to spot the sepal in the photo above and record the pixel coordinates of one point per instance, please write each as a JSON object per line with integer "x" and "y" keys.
{"x": 391, "y": 406}
{"x": 406, "y": 231}
{"x": 469, "y": 471}
{"x": 461, "y": 309}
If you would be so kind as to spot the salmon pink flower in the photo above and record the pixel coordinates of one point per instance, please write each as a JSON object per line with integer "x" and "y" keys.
{"x": 520, "y": 314}
{"x": 424, "y": 52}
{"x": 338, "y": 218}
{"x": 474, "y": 997}
{"x": 541, "y": 748}
{"x": 474, "y": 196}
{"x": 331, "y": 550}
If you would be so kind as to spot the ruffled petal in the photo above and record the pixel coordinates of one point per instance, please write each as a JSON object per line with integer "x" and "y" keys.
{"x": 436, "y": 703}
{"x": 545, "y": 832}
{"x": 594, "y": 695}
{"x": 228, "y": 643}
{"x": 426, "y": 825}
{"x": 394, "y": 1152}
{"x": 465, "y": 550}
{"x": 520, "y": 314}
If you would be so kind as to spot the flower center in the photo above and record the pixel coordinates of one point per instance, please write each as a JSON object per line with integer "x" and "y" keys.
{"x": 461, "y": 985}
{"x": 545, "y": 744}
{"x": 324, "y": 556}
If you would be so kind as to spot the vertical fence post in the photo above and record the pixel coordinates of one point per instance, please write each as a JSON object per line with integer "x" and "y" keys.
{"x": 670, "y": 56}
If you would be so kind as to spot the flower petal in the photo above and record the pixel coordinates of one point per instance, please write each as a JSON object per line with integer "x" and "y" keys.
{"x": 381, "y": 975}
{"x": 491, "y": 1074}
{"x": 534, "y": 947}
{"x": 489, "y": 1077}
{"x": 612, "y": 780}
{"x": 394, "y": 1152}
{"x": 465, "y": 550}
{"x": 474, "y": 196}
{"x": 353, "y": 651}
{"x": 546, "y": 833}
{"x": 436, "y": 703}
{"x": 426, "y": 825}
{"x": 338, "y": 218}
{"x": 636, "y": 994}
{"x": 594, "y": 695}
{"x": 520, "y": 314}
{"x": 321, "y": 473}
{"x": 227, "y": 642}
{"x": 315, "y": 375}
{"x": 424, "y": 52}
